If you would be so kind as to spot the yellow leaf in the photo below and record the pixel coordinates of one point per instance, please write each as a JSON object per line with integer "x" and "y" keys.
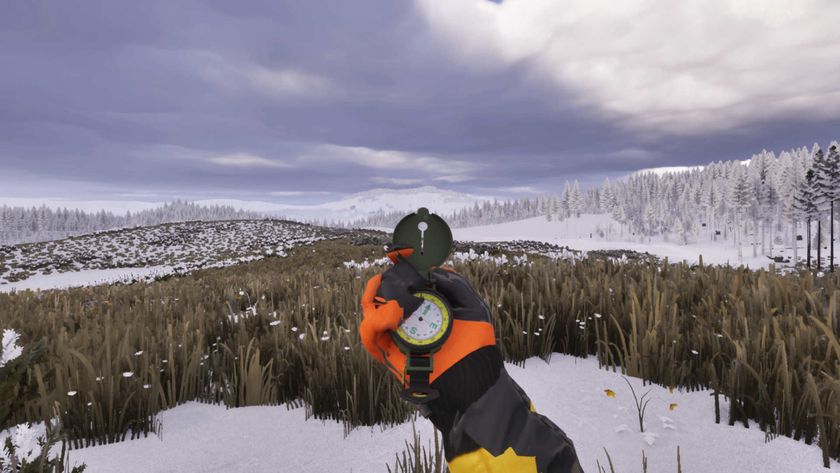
{"x": 609, "y": 392}
{"x": 672, "y": 406}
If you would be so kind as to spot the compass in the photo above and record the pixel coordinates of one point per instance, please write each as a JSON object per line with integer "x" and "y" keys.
{"x": 425, "y": 330}
{"x": 427, "y": 327}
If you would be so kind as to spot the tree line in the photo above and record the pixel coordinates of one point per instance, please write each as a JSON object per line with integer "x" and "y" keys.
{"x": 27, "y": 225}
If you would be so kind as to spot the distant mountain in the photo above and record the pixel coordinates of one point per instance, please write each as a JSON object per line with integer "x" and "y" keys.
{"x": 364, "y": 204}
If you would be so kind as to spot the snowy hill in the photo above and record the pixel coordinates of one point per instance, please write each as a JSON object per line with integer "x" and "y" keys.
{"x": 146, "y": 253}
{"x": 364, "y": 204}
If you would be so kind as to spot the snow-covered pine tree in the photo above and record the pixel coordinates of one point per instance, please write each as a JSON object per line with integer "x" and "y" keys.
{"x": 832, "y": 185}
{"x": 822, "y": 194}
{"x": 806, "y": 208}
{"x": 565, "y": 200}
{"x": 607, "y": 196}
{"x": 739, "y": 199}
{"x": 789, "y": 185}
{"x": 575, "y": 200}
{"x": 554, "y": 206}
{"x": 767, "y": 200}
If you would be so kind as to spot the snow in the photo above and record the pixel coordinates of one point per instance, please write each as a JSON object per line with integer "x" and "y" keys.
{"x": 184, "y": 246}
{"x": 9, "y": 349}
{"x": 25, "y": 440}
{"x": 570, "y": 391}
{"x": 87, "y": 277}
{"x": 575, "y": 233}
{"x": 367, "y": 263}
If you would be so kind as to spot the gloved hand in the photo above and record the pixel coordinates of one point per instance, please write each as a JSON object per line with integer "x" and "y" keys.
{"x": 487, "y": 421}
{"x": 471, "y": 328}
{"x": 382, "y": 316}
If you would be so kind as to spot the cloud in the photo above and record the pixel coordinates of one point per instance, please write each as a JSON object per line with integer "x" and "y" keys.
{"x": 521, "y": 190}
{"x": 245, "y": 160}
{"x": 685, "y": 67}
{"x": 289, "y": 81}
{"x": 239, "y": 99}
{"x": 397, "y": 161}
{"x": 396, "y": 181}
{"x": 634, "y": 156}
{"x": 297, "y": 193}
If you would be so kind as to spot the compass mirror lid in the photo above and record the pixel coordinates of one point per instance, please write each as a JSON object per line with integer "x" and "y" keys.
{"x": 430, "y": 237}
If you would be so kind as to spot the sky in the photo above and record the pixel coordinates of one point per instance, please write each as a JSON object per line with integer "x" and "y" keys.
{"x": 306, "y": 101}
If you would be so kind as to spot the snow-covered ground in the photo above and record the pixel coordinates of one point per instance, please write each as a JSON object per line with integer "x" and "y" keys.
{"x": 86, "y": 277}
{"x": 146, "y": 251}
{"x": 570, "y": 391}
{"x": 575, "y": 233}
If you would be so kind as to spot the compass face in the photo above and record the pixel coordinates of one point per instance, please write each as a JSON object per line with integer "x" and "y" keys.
{"x": 428, "y": 325}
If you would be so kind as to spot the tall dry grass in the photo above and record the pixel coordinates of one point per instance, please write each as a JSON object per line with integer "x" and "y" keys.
{"x": 765, "y": 343}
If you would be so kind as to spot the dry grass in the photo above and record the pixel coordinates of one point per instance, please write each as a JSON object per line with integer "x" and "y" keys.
{"x": 766, "y": 343}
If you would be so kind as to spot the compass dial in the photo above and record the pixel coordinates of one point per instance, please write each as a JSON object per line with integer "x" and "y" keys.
{"x": 426, "y": 326}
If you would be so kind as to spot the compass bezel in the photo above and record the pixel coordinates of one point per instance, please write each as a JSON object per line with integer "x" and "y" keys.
{"x": 413, "y": 345}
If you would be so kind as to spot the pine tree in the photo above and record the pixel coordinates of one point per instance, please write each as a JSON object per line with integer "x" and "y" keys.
{"x": 822, "y": 194}
{"x": 565, "y": 200}
{"x": 739, "y": 198}
{"x": 805, "y": 206}
{"x": 832, "y": 188}
{"x": 554, "y": 206}
{"x": 789, "y": 186}
{"x": 575, "y": 200}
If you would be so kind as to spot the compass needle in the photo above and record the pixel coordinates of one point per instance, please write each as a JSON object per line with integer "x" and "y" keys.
{"x": 422, "y": 226}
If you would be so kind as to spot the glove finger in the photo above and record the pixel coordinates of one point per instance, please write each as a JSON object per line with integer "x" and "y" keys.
{"x": 376, "y": 322}
{"x": 370, "y": 290}
{"x": 399, "y": 282}
{"x": 456, "y": 289}
{"x": 473, "y": 313}
{"x": 393, "y": 252}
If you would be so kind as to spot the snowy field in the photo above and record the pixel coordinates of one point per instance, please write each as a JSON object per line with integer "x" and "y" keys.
{"x": 87, "y": 277}
{"x": 570, "y": 391}
{"x": 148, "y": 251}
{"x": 575, "y": 233}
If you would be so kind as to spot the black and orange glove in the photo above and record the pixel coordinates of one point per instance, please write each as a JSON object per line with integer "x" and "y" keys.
{"x": 384, "y": 315}
{"x": 471, "y": 328}
{"x": 488, "y": 423}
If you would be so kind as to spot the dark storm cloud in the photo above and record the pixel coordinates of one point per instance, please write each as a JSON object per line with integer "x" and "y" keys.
{"x": 249, "y": 98}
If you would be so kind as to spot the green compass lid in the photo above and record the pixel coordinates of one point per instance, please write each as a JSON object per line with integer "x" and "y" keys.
{"x": 430, "y": 237}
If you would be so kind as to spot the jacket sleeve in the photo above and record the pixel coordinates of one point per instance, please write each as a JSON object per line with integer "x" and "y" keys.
{"x": 489, "y": 425}
{"x": 511, "y": 437}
